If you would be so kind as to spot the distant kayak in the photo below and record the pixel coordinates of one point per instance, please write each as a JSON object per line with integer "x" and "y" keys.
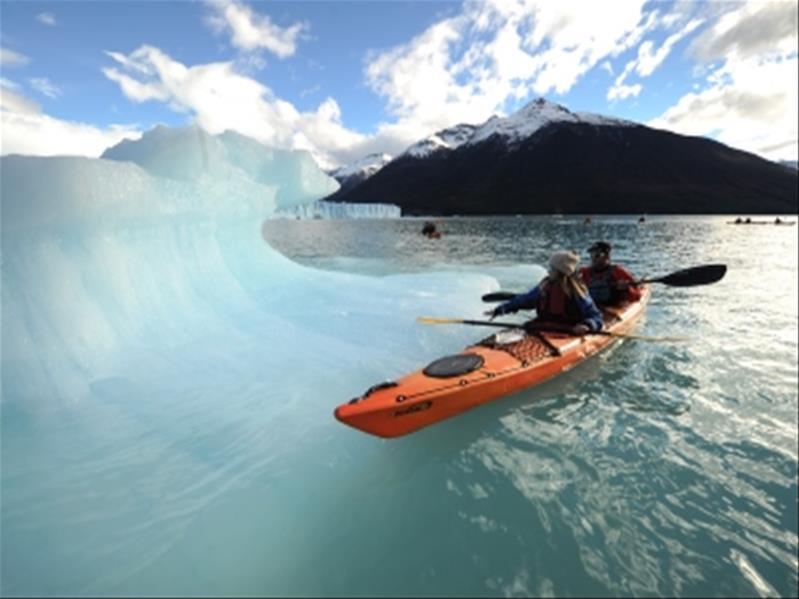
{"x": 430, "y": 231}
{"x": 761, "y": 222}
{"x": 499, "y": 365}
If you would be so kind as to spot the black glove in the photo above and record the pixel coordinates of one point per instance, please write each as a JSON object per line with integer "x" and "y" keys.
{"x": 492, "y": 314}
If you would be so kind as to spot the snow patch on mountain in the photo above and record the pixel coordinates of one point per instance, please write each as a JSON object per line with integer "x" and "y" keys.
{"x": 364, "y": 168}
{"x": 446, "y": 139}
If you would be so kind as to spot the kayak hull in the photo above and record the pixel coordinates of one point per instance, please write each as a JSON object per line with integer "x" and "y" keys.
{"x": 417, "y": 400}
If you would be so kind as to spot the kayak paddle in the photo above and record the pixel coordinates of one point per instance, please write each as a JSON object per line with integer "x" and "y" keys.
{"x": 691, "y": 277}
{"x": 688, "y": 277}
{"x": 544, "y": 329}
{"x": 498, "y": 296}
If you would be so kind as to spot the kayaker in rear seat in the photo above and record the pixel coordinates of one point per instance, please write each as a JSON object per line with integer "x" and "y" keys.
{"x": 609, "y": 284}
{"x": 561, "y": 297}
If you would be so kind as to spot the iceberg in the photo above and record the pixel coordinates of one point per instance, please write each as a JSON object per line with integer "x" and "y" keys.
{"x": 168, "y": 378}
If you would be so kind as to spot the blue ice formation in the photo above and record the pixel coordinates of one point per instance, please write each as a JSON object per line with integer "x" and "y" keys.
{"x": 102, "y": 254}
{"x": 161, "y": 363}
{"x": 157, "y": 247}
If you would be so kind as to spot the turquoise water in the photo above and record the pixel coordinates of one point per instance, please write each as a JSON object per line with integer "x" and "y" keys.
{"x": 664, "y": 469}
{"x": 213, "y": 466}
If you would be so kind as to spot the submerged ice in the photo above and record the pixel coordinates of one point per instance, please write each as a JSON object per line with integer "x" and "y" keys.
{"x": 163, "y": 368}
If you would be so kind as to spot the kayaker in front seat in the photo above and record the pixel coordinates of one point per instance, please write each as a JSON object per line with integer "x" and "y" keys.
{"x": 609, "y": 284}
{"x": 561, "y": 297}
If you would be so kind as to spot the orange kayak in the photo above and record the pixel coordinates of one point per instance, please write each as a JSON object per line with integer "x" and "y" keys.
{"x": 496, "y": 366}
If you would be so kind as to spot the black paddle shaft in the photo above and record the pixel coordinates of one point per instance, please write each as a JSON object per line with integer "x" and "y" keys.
{"x": 689, "y": 277}
{"x": 532, "y": 328}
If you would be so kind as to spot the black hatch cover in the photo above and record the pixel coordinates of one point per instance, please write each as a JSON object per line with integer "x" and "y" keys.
{"x": 454, "y": 365}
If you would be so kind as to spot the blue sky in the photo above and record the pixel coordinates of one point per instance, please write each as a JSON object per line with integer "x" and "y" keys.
{"x": 343, "y": 79}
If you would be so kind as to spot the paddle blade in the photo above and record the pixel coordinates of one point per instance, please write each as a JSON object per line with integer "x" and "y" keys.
{"x": 698, "y": 275}
{"x": 498, "y": 296}
{"x": 431, "y": 320}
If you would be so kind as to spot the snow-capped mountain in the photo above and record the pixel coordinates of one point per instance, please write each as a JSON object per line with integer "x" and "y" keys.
{"x": 546, "y": 159}
{"x": 514, "y": 128}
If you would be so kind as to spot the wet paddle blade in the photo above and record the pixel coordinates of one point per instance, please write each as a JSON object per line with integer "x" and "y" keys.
{"x": 689, "y": 277}
{"x": 498, "y": 296}
{"x": 432, "y": 320}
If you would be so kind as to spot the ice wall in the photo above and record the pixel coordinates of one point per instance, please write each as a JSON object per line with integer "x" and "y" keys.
{"x": 226, "y": 160}
{"x": 102, "y": 257}
{"x": 154, "y": 245}
{"x": 161, "y": 363}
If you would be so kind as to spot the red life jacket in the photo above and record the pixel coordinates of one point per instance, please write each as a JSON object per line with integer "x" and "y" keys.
{"x": 599, "y": 284}
{"x": 555, "y": 305}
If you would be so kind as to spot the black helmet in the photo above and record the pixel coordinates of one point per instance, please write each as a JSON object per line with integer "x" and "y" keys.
{"x": 600, "y": 246}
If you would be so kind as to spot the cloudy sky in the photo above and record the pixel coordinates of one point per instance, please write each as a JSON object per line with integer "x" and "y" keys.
{"x": 344, "y": 79}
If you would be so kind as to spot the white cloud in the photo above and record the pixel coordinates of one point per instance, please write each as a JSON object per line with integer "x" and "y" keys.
{"x": 42, "y": 135}
{"x": 494, "y": 54}
{"x": 222, "y": 99}
{"x": 648, "y": 60}
{"x": 309, "y": 91}
{"x": 9, "y": 58}
{"x": 650, "y": 57}
{"x": 749, "y": 97}
{"x": 25, "y": 130}
{"x": 753, "y": 29}
{"x": 750, "y": 104}
{"x": 621, "y": 92}
{"x": 419, "y": 80}
{"x": 8, "y": 83}
{"x": 134, "y": 89}
{"x": 134, "y": 65}
{"x": 13, "y": 101}
{"x": 46, "y": 18}
{"x": 45, "y": 87}
{"x": 607, "y": 67}
{"x": 250, "y": 31}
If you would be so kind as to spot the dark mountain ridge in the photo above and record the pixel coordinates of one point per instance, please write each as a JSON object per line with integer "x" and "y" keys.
{"x": 582, "y": 168}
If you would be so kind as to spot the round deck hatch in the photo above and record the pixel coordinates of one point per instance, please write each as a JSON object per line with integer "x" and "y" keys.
{"x": 456, "y": 365}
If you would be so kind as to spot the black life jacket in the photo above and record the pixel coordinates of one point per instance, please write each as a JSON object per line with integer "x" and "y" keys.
{"x": 555, "y": 305}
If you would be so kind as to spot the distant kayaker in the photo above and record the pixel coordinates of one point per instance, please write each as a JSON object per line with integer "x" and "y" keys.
{"x": 561, "y": 297}
{"x": 429, "y": 230}
{"x": 608, "y": 283}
